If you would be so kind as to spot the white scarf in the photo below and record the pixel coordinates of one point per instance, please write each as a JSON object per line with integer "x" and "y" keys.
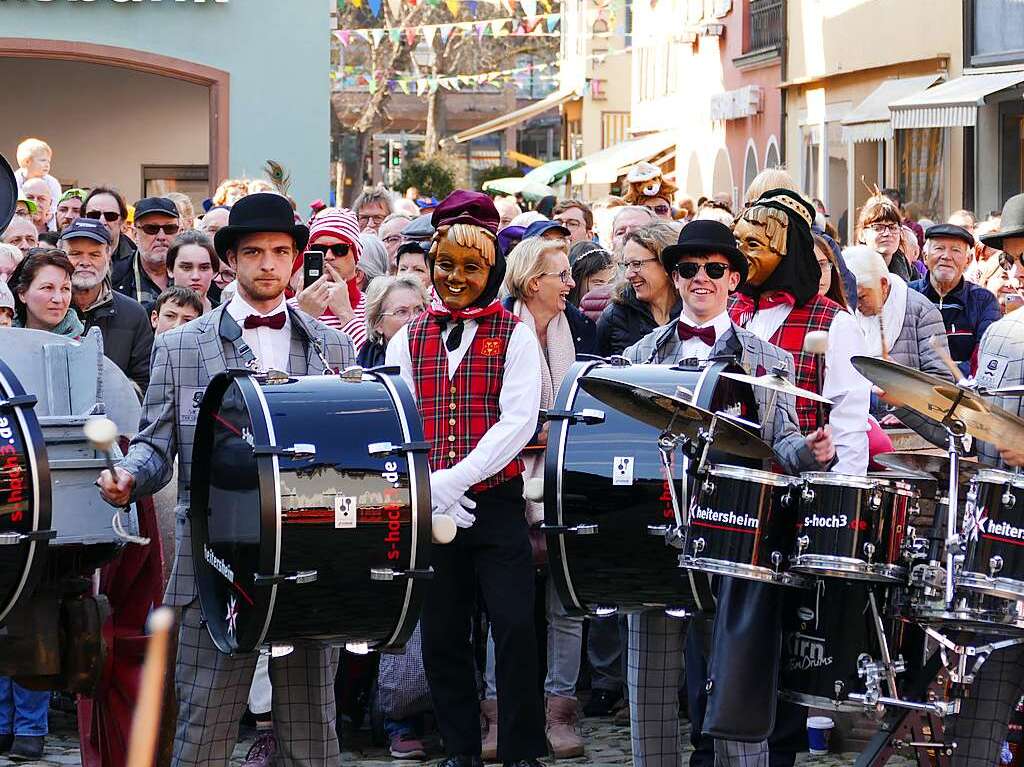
{"x": 890, "y": 321}
{"x": 555, "y": 360}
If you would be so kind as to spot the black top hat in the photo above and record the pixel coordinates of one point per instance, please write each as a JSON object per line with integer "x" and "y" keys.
{"x": 8, "y": 193}
{"x": 1010, "y": 225}
{"x": 260, "y": 212}
{"x": 704, "y": 237}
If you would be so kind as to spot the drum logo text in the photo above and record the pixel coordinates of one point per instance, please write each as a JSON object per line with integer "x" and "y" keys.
{"x": 218, "y": 564}
{"x": 726, "y": 518}
{"x": 806, "y": 652}
{"x": 834, "y": 521}
{"x": 1002, "y": 530}
{"x": 394, "y": 533}
{"x": 11, "y": 469}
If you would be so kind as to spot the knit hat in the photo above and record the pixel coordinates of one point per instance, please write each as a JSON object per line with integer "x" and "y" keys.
{"x": 340, "y": 223}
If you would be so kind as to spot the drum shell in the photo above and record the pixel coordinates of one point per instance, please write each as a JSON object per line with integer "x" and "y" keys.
{"x": 993, "y": 527}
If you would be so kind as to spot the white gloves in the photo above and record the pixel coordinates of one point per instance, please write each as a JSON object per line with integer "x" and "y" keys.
{"x": 447, "y": 496}
{"x": 460, "y": 512}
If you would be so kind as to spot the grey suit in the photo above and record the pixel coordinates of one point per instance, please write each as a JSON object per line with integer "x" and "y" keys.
{"x": 212, "y": 688}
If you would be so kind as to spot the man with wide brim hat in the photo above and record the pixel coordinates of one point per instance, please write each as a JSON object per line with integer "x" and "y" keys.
{"x": 1010, "y": 236}
{"x": 255, "y": 330}
{"x": 706, "y": 267}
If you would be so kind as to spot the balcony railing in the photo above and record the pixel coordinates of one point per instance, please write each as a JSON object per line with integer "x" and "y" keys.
{"x": 766, "y": 24}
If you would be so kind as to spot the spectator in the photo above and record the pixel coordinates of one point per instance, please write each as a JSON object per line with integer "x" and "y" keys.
{"x": 390, "y": 303}
{"x": 107, "y": 204}
{"x": 175, "y": 306}
{"x": 412, "y": 262}
{"x": 831, "y": 284}
{"x": 1005, "y": 285}
{"x": 6, "y": 307}
{"x": 124, "y": 324}
{"x": 592, "y": 267}
{"x": 373, "y": 259}
{"x": 42, "y": 293}
{"x": 25, "y": 207}
{"x": 647, "y": 299}
{"x": 577, "y": 217}
{"x": 214, "y": 220}
{"x": 686, "y": 209}
{"x": 419, "y": 230}
{"x": 879, "y": 227}
{"x": 21, "y": 233}
{"x": 964, "y": 219}
{"x": 69, "y": 207}
{"x": 967, "y": 309}
{"x": 37, "y": 190}
{"x": 186, "y": 210}
{"x": 155, "y": 223}
{"x": 192, "y": 262}
{"x": 507, "y": 210}
{"x": 372, "y": 207}
{"x": 10, "y": 257}
{"x": 711, "y": 210}
{"x": 896, "y": 198}
{"x": 34, "y": 158}
{"x": 768, "y": 179}
{"x": 546, "y": 230}
{"x": 628, "y": 218}
{"x": 391, "y": 235}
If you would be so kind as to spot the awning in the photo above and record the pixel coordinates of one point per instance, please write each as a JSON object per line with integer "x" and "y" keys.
{"x": 953, "y": 104}
{"x": 606, "y": 166}
{"x": 550, "y": 101}
{"x": 537, "y": 179}
{"x": 871, "y": 120}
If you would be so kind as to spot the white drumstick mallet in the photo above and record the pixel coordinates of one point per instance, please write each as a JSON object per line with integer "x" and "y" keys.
{"x": 816, "y": 343}
{"x": 533, "y": 490}
{"x": 102, "y": 434}
{"x": 442, "y": 528}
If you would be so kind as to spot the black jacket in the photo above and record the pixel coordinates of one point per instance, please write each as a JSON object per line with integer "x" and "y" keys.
{"x": 121, "y": 259}
{"x": 625, "y": 321}
{"x": 138, "y": 285}
{"x": 127, "y": 335}
{"x": 967, "y": 311}
{"x": 584, "y": 332}
{"x": 372, "y": 354}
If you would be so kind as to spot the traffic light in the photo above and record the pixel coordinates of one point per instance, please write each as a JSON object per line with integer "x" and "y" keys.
{"x": 385, "y": 151}
{"x": 396, "y": 154}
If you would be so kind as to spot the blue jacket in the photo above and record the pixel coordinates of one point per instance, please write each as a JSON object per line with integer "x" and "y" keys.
{"x": 966, "y": 311}
{"x": 584, "y": 331}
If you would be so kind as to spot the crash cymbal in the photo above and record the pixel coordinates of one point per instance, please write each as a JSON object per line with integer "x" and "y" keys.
{"x": 933, "y": 397}
{"x": 1008, "y": 391}
{"x": 779, "y": 384}
{"x": 930, "y": 464}
{"x": 676, "y": 416}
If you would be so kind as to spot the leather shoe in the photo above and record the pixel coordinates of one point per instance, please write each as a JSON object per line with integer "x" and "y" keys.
{"x": 461, "y": 761}
{"x": 26, "y": 748}
{"x": 601, "y": 702}
{"x": 6, "y": 741}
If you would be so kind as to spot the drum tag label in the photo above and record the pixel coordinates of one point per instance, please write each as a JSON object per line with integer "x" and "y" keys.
{"x": 188, "y": 405}
{"x": 990, "y": 370}
{"x": 622, "y": 470}
{"x": 344, "y": 512}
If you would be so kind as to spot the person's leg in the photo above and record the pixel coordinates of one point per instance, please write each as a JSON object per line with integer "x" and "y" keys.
{"x": 984, "y": 719}
{"x": 304, "y": 712}
{"x": 604, "y": 652}
{"x": 490, "y": 686}
{"x": 565, "y": 643}
{"x": 6, "y": 709}
{"x": 489, "y": 705}
{"x": 31, "y": 712}
{"x": 655, "y": 660}
{"x": 703, "y": 754}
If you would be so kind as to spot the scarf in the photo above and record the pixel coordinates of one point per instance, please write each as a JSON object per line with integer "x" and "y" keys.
{"x": 555, "y": 360}
{"x": 742, "y": 307}
{"x": 69, "y": 327}
{"x": 890, "y": 322}
{"x": 443, "y": 315}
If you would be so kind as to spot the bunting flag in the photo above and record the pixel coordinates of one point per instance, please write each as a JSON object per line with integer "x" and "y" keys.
{"x": 454, "y": 6}
{"x": 445, "y": 30}
{"x": 532, "y": 25}
{"x": 396, "y": 8}
{"x": 374, "y": 6}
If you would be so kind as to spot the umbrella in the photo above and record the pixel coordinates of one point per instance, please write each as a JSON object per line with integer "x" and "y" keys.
{"x": 513, "y": 185}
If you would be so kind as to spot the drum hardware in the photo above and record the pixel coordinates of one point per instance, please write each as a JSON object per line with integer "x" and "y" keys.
{"x": 23, "y": 400}
{"x": 297, "y": 452}
{"x": 303, "y": 576}
{"x": 386, "y": 574}
{"x": 587, "y": 416}
{"x": 778, "y": 382}
{"x": 13, "y": 539}
{"x": 581, "y": 529}
{"x": 274, "y": 377}
{"x": 385, "y": 449}
{"x": 604, "y": 611}
{"x": 959, "y": 672}
{"x": 946, "y": 748}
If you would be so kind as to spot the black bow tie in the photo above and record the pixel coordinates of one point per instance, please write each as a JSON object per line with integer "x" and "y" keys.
{"x": 274, "y": 321}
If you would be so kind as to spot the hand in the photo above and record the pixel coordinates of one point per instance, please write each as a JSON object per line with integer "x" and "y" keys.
{"x": 444, "y": 492}
{"x": 1012, "y": 456}
{"x": 460, "y": 512}
{"x": 542, "y": 435}
{"x": 313, "y": 300}
{"x": 819, "y": 442}
{"x": 116, "y": 489}
{"x": 889, "y": 420}
{"x": 338, "y": 298}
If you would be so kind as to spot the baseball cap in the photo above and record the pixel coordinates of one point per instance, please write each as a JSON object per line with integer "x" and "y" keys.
{"x": 30, "y": 204}
{"x": 148, "y": 205}
{"x": 90, "y": 228}
{"x": 78, "y": 194}
{"x": 538, "y": 228}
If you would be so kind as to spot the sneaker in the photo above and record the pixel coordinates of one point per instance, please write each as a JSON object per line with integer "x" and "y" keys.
{"x": 26, "y": 748}
{"x": 262, "y": 752}
{"x": 407, "y": 746}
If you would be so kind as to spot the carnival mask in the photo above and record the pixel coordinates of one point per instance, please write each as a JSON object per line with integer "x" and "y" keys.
{"x": 761, "y": 236}
{"x": 460, "y": 274}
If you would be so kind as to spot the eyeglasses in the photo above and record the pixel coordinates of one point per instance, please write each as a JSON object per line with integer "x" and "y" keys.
{"x": 884, "y": 228}
{"x": 107, "y": 215}
{"x": 392, "y": 239}
{"x": 370, "y": 219}
{"x": 338, "y": 249}
{"x": 570, "y": 223}
{"x": 153, "y": 229}
{"x": 564, "y": 276}
{"x": 405, "y": 313}
{"x": 636, "y": 266}
{"x": 713, "y": 269}
{"x": 226, "y": 275}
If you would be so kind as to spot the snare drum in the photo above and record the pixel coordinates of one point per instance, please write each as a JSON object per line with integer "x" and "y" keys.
{"x": 993, "y": 529}
{"x": 852, "y": 527}
{"x": 742, "y": 524}
{"x": 310, "y": 510}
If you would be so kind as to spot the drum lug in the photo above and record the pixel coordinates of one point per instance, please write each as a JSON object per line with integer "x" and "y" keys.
{"x": 807, "y": 494}
{"x": 302, "y": 576}
{"x": 802, "y": 543}
{"x": 869, "y": 551}
{"x": 588, "y": 416}
{"x": 586, "y": 528}
{"x": 995, "y": 564}
{"x": 698, "y": 545}
{"x": 13, "y": 539}
{"x": 876, "y": 500}
{"x": 604, "y": 611}
{"x": 1008, "y": 498}
{"x": 387, "y": 574}
{"x": 22, "y": 400}
{"x": 297, "y": 452}
{"x": 384, "y": 449}
{"x": 672, "y": 534}
{"x": 707, "y": 487}
{"x": 777, "y": 560}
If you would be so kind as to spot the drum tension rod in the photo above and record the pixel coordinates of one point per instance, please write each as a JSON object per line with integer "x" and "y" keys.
{"x": 302, "y": 576}
{"x": 13, "y": 539}
{"x": 588, "y": 416}
{"x": 387, "y": 574}
{"x": 299, "y": 452}
{"x": 21, "y": 400}
{"x": 384, "y": 449}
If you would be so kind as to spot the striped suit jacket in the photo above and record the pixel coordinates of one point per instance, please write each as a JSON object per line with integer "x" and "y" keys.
{"x": 183, "y": 362}
{"x": 1001, "y": 363}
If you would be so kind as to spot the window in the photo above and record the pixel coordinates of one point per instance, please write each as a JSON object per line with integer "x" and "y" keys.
{"x": 749, "y": 168}
{"x": 614, "y": 128}
{"x": 193, "y": 180}
{"x": 993, "y": 31}
{"x": 919, "y": 168}
{"x": 771, "y": 156}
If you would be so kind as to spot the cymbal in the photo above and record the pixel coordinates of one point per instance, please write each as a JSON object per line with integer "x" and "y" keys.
{"x": 933, "y": 397}
{"x": 1008, "y": 391}
{"x": 668, "y": 413}
{"x": 779, "y": 384}
{"x": 930, "y": 464}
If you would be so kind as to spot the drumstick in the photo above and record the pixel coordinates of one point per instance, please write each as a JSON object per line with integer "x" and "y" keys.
{"x": 946, "y": 359}
{"x": 146, "y": 720}
{"x": 816, "y": 343}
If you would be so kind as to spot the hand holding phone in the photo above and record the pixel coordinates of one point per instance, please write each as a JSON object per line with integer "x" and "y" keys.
{"x": 312, "y": 267}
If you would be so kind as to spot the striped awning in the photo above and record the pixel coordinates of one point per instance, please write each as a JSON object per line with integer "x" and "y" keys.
{"x": 952, "y": 104}
{"x": 871, "y": 119}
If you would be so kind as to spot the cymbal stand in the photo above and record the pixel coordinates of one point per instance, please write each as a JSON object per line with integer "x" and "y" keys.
{"x": 955, "y": 431}
{"x": 674, "y": 534}
{"x": 959, "y": 672}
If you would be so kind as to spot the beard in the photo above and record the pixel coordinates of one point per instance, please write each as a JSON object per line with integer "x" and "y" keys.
{"x": 85, "y": 280}
{"x": 260, "y": 291}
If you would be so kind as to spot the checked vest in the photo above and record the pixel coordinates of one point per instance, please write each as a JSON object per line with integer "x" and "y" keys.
{"x": 456, "y": 413}
{"x": 816, "y": 314}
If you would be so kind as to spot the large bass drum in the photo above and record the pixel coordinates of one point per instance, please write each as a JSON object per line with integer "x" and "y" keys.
{"x": 310, "y": 510}
{"x": 25, "y": 505}
{"x": 607, "y": 499}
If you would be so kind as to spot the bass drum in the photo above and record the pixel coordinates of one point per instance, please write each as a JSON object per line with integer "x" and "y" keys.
{"x": 310, "y": 510}
{"x": 25, "y": 500}
{"x": 607, "y": 498}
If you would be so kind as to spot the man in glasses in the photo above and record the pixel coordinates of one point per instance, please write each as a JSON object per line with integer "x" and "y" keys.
{"x": 372, "y": 207}
{"x": 107, "y": 205}
{"x": 706, "y": 268}
{"x": 156, "y": 225}
{"x": 577, "y": 217}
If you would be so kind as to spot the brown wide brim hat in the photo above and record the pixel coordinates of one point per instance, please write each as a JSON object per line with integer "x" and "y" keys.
{"x": 1011, "y": 223}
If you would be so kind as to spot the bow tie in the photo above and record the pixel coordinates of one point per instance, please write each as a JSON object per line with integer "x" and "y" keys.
{"x": 741, "y": 307}
{"x": 274, "y": 321}
{"x": 686, "y": 332}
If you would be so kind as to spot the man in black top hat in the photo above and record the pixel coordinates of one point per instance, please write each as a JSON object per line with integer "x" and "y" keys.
{"x": 258, "y": 330}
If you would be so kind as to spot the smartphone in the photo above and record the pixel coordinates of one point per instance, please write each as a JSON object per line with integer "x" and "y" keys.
{"x": 312, "y": 267}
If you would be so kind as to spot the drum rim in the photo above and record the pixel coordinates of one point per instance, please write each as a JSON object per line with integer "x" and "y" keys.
{"x": 760, "y": 476}
{"x": 999, "y": 477}
{"x": 42, "y": 496}
{"x": 840, "y": 480}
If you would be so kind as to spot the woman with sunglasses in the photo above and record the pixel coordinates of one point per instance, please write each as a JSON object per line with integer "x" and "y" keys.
{"x": 335, "y": 298}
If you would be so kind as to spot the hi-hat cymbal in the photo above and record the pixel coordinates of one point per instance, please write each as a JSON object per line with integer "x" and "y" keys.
{"x": 677, "y": 416}
{"x": 779, "y": 384}
{"x": 933, "y": 397}
{"x": 936, "y": 466}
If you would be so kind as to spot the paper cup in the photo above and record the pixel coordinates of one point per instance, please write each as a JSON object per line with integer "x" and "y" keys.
{"x": 819, "y": 733}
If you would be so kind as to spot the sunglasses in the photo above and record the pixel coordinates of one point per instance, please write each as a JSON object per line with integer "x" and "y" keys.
{"x": 107, "y": 215}
{"x": 713, "y": 269}
{"x": 338, "y": 250}
{"x": 152, "y": 229}
{"x": 661, "y": 210}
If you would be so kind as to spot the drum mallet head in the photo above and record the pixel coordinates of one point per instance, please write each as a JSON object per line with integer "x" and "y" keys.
{"x": 102, "y": 434}
{"x": 442, "y": 528}
{"x": 533, "y": 489}
{"x": 816, "y": 342}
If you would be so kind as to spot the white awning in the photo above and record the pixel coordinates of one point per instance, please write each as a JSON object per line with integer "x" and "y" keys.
{"x": 871, "y": 120}
{"x": 953, "y": 104}
{"x": 550, "y": 101}
{"x": 606, "y": 166}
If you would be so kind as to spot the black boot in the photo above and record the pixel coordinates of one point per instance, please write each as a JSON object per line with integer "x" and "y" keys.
{"x": 27, "y": 748}
{"x": 461, "y": 761}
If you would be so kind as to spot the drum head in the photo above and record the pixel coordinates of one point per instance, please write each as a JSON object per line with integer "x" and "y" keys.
{"x": 24, "y": 495}
{"x": 229, "y": 548}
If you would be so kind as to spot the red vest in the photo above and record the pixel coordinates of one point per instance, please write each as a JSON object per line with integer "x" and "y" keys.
{"x": 816, "y": 314}
{"x": 458, "y": 412}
